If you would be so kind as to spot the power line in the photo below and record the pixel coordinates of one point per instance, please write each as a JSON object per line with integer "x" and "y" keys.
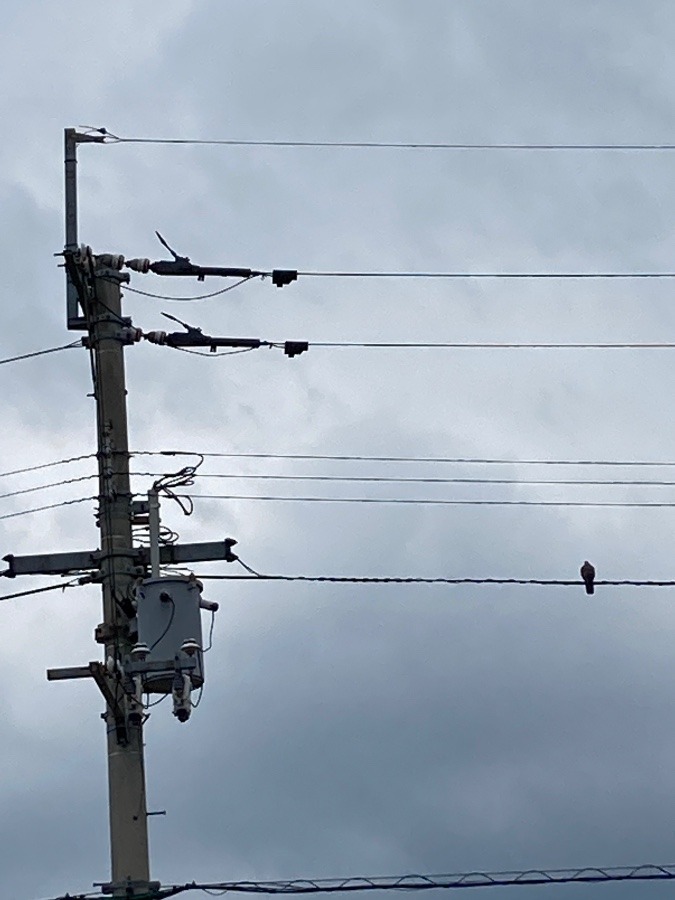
{"x": 494, "y": 345}
{"x": 436, "y": 502}
{"x": 51, "y": 587}
{"x": 453, "y": 345}
{"x": 461, "y": 460}
{"x": 96, "y": 896}
{"x": 384, "y": 145}
{"x": 393, "y": 579}
{"x": 383, "y": 479}
{"x": 41, "y": 352}
{"x": 499, "y": 275}
{"x": 213, "y": 355}
{"x": 587, "y": 875}
{"x": 26, "y": 512}
{"x": 224, "y": 290}
{"x": 44, "y": 487}
{"x": 49, "y": 465}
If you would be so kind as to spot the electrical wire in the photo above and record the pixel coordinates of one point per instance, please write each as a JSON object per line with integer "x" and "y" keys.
{"x": 41, "y": 352}
{"x": 458, "y": 345}
{"x": 168, "y": 624}
{"x": 394, "y": 579}
{"x": 49, "y": 465}
{"x": 44, "y": 487}
{"x": 196, "y": 703}
{"x": 51, "y": 587}
{"x": 116, "y": 316}
{"x": 248, "y": 568}
{"x": 531, "y": 877}
{"x": 436, "y": 502}
{"x": 492, "y": 346}
{"x": 501, "y": 275}
{"x": 224, "y": 290}
{"x": 185, "y": 477}
{"x": 523, "y": 878}
{"x": 110, "y": 138}
{"x": 210, "y": 354}
{"x": 26, "y": 512}
{"x": 587, "y": 875}
{"x": 86, "y": 896}
{"x": 382, "y": 479}
{"x": 149, "y": 705}
{"x": 213, "y": 622}
{"x": 462, "y": 460}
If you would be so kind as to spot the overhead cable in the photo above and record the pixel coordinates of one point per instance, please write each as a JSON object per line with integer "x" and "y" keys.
{"x": 26, "y": 512}
{"x": 213, "y": 355}
{"x": 394, "y": 579}
{"x": 462, "y": 460}
{"x": 224, "y": 290}
{"x": 455, "y": 345}
{"x": 44, "y": 487}
{"x": 587, "y": 875}
{"x": 41, "y": 352}
{"x": 500, "y": 275}
{"x": 49, "y": 465}
{"x": 383, "y": 479}
{"x": 51, "y": 587}
{"x": 111, "y": 138}
{"x": 493, "y": 345}
{"x": 435, "y": 502}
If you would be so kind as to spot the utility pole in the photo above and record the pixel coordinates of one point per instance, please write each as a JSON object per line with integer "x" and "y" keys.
{"x": 107, "y": 335}
{"x": 151, "y": 628}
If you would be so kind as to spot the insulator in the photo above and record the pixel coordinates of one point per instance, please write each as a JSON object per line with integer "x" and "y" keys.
{"x": 156, "y": 337}
{"x": 190, "y": 647}
{"x": 140, "y": 652}
{"x": 110, "y": 260}
{"x": 132, "y": 335}
{"x": 138, "y": 265}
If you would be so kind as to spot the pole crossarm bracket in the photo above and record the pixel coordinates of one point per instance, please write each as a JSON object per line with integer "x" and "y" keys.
{"x": 68, "y": 673}
{"x": 146, "y": 889}
{"x": 72, "y": 138}
{"x": 51, "y": 563}
{"x": 86, "y": 560}
{"x": 103, "y": 679}
{"x": 173, "y": 554}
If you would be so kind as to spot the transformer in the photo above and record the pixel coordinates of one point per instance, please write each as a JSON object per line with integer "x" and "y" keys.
{"x": 168, "y": 615}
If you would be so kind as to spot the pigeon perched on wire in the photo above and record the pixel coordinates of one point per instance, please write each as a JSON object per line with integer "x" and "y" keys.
{"x": 588, "y": 575}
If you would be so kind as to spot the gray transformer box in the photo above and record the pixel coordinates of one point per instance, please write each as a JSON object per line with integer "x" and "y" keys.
{"x": 168, "y": 613}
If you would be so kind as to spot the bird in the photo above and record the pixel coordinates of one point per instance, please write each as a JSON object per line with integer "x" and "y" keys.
{"x": 588, "y": 574}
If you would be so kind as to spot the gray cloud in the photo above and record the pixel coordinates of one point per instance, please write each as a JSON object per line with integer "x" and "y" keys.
{"x": 355, "y": 730}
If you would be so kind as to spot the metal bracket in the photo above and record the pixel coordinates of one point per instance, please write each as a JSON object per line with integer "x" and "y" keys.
{"x": 106, "y": 632}
{"x": 160, "y": 665}
{"x": 68, "y": 673}
{"x": 99, "y": 673}
{"x": 130, "y": 888}
{"x": 65, "y": 563}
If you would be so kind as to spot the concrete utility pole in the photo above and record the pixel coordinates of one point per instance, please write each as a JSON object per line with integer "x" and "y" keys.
{"x": 151, "y": 628}
{"x": 126, "y": 772}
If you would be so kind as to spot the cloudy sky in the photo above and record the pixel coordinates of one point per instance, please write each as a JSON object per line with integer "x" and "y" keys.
{"x": 355, "y": 730}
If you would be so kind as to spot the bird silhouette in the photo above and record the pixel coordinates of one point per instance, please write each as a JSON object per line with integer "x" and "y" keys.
{"x": 588, "y": 574}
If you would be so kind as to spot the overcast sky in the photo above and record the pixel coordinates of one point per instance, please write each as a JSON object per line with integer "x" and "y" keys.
{"x": 356, "y": 730}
